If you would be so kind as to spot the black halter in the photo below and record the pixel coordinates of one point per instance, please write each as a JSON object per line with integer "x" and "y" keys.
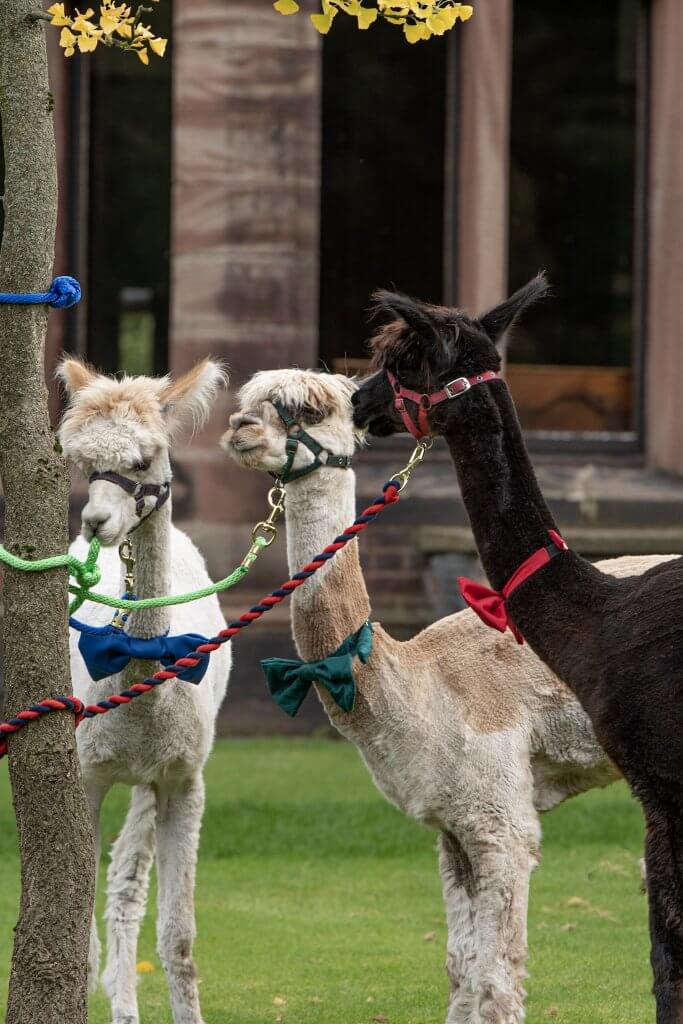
{"x": 297, "y": 437}
{"x": 137, "y": 491}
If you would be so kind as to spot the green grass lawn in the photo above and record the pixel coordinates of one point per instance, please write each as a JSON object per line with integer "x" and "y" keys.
{"x": 318, "y": 903}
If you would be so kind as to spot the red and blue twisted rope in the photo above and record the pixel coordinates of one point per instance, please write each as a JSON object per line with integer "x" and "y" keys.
{"x": 390, "y": 495}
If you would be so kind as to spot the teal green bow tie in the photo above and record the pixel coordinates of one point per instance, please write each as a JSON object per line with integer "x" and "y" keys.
{"x": 290, "y": 681}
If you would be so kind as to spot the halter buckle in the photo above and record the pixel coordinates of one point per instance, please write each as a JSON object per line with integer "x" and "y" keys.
{"x": 463, "y": 385}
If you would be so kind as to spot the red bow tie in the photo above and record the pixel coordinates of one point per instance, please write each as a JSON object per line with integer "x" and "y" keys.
{"x": 490, "y": 605}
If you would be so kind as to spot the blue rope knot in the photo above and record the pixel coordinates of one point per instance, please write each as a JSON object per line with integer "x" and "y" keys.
{"x": 64, "y": 291}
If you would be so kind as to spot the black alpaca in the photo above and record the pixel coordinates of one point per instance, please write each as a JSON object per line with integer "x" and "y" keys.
{"x": 617, "y": 643}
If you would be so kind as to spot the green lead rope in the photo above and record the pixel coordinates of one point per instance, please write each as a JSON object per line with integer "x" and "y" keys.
{"x": 88, "y": 574}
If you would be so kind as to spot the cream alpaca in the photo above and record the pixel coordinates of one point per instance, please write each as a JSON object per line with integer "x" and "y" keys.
{"x": 463, "y": 730}
{"x": 158, "y": 744}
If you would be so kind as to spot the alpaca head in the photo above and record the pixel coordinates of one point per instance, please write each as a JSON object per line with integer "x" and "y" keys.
{"x": 126, "y": 427}
{"x": 320, "y": 403}
{"x": 428, "y": 346}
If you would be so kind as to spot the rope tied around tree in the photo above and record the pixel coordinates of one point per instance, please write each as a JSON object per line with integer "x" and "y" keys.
{"x": 64, "y": 292}
{"x": 88, "y": 574}
{"x": 390, "y": 495}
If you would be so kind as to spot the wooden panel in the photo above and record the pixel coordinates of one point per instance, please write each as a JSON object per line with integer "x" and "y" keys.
{"x": 664, "y": 363}
{"x": 571, "y": 397}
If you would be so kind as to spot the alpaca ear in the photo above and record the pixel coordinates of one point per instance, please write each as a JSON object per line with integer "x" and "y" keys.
{"x": 499, "y": 319}
{"x": 74, "y": 375}
{"x": 188, "y": 400}
{"x": 402, "y": 307}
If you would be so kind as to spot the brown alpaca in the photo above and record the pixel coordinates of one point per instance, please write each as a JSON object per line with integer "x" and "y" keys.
{"x": 618, "y": 643}
{"x": 468, "y": 733}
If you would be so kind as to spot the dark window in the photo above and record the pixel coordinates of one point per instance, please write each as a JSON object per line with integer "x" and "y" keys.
{"x": 129, "y": 217}
{"x": 382, "y": 216}
{"x": 575, "y": 209}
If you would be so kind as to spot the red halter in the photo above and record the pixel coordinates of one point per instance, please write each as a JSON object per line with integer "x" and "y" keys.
{"x": 424, "y": 403}
{"x": 490, "y": 604}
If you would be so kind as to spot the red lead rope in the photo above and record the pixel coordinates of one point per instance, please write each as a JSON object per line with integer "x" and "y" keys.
{"x": 389, "y": 496}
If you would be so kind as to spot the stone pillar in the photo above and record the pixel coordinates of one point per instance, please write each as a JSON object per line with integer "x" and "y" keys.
{"x": 245, "y": 197}
{"x": 485, "y": 73}
{"x": 664, "y": 352}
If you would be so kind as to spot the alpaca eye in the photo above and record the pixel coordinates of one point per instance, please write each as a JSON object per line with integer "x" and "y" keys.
{"x": 142, "y": 467}
{"x": 311, "y": 415}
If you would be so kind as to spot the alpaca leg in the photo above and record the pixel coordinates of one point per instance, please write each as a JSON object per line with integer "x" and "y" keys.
{"x": 457, "y": 883}
{"x": 128, "y": 881}
{"x": 501, "y": 871}
{"x": 95, "y": 795}
{"x": 178, "y": 824}
{"x": 664, "y": 863}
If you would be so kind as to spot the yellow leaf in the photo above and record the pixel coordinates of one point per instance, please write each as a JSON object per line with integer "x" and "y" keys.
{"x": 279, "y": 1001}
{"x": 448, "y": 16}
{"x": 438, "y": 24}
{"x": 465, "y": 11}
{"x": 67, "y": 40}
{"x": 145, "y": 967}
{"x": 366, "y": 18}
{"x": 413, "y": 33}
{"x": 81, "y": 24}
{"x": 143, "y": 55}
{"x": 58, "y": 15}
{"x": 124, "y": 29}
{"x": 86, "y": 44}
{"x": 323, "y": 22}
{"x": 159, "y": 46}
{"x": 286, "y": 6}
{"x": 108, "y": 22}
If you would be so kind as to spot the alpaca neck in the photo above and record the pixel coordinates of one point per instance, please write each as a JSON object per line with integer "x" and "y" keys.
{"x": 509, "y": 516}
{"x": 152, "y": 551}
{"x": 334, "y": 602}
{"x": 510, "y": 521}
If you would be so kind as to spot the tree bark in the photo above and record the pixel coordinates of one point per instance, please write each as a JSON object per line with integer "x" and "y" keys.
{"x": 49, "y": 963}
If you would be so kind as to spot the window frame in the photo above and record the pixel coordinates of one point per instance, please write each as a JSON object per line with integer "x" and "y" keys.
{"x": 631, "y": 442}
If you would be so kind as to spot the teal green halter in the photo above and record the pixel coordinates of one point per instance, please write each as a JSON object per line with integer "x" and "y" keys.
{"x": 297, "y": 437}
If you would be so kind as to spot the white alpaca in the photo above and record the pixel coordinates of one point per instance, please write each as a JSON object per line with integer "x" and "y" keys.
{"x": 463, "y": 730}
{"x": 158, "y": 744}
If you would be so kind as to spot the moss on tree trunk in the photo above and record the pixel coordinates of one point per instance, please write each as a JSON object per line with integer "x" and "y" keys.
{"x": 48, "y": 979}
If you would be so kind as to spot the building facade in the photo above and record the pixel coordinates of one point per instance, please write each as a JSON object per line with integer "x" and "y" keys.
{"x": 244, "y": 196}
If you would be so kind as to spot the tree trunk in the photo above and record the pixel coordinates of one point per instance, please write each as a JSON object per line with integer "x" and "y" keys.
{"x": 48, "y": 979}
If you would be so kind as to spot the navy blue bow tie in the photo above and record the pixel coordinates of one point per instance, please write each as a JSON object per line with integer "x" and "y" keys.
{"x": 106, "y": 650}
